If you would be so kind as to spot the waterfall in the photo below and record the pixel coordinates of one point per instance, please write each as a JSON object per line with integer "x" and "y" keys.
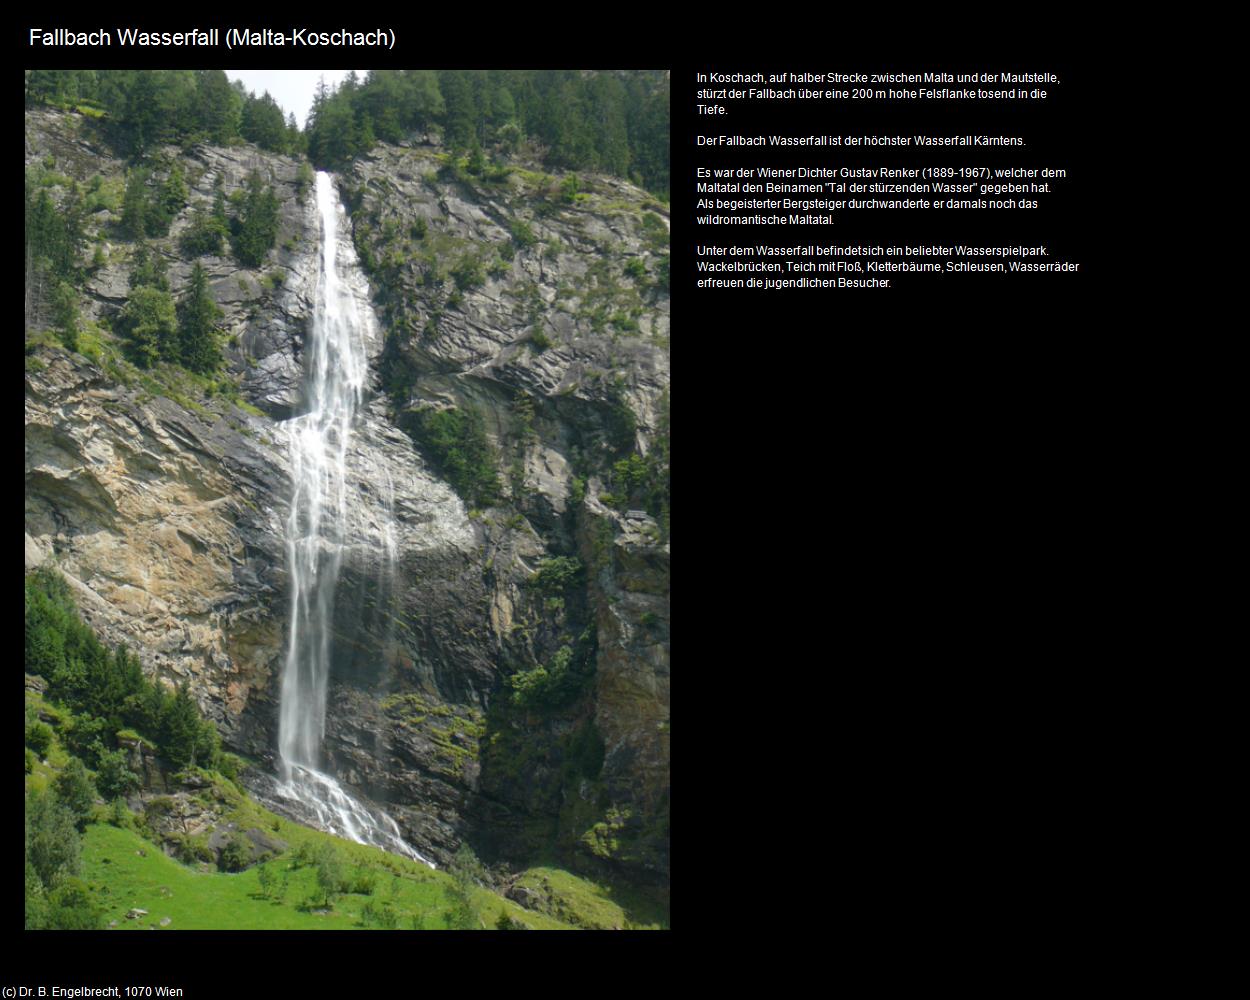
{"x": 316, "y": 534}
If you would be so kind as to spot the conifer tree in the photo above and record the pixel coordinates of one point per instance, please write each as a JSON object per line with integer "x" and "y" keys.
{"x": 197, "y": 325}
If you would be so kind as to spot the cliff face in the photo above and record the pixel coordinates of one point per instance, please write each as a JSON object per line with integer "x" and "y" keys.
{"x": 540, "y": 310}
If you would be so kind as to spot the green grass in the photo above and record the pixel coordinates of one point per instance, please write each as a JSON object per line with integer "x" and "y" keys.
{"x": 122, "y": 879}
{"x": 590, "y": 905}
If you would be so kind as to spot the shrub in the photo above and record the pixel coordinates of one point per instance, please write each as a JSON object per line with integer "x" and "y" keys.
{"x": 190, "y": 849}
{"x": 75, "y": 790}
{"x": 53, "y": 848}
{"x": 72, "y": 908}
{"x": 236, "y": 855}
{"x": 113, "y": 777}
{"x": 119, "y": 815}
{"x": 555, "y": 575}
{"x": 39, "y": 738}
{"x": 363, "y": 882}
{"x": 468, "y": 273}
{"x": 522, "y": 235}
{"x": 539, "y": 340}
{"x": 267, "y": 878}
{"x": 329, "y": 872}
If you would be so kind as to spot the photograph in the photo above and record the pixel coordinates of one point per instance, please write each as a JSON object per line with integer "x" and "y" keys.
{"x": 347, "y": 499}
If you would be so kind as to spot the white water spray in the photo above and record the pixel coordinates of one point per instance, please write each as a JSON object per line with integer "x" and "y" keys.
{"x": 316, "y": 530}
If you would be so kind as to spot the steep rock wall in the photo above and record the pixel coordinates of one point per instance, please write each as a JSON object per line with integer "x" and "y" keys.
{"x": 166, "y": 509}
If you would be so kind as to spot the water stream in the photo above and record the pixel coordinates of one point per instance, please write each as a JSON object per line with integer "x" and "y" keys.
{"x": 316, "y": 534}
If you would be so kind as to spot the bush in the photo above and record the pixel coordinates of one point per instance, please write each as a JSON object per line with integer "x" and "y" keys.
{"x": 75, "y": 790}
{"x": 190, "y": 849}
{"x": 522, "y": 235}
{"x": 468, "y": 273}
{"x": 236, "y": 855}
{"x": 267, "y": 878}
{"x": 329, "y": 872}
{"x": 114, "y": 777}
{"x": 229, "y": 765}
{"x": 119, "y": 815}
{"x": 53, "y": 848}
{"x": 72, "y": 908}
{"x": 556, "y": 575}
{"x": 380, "y": 914}
{"x": 539, "y": 339}
{"x": 39, "y": 738}
{"x": 363, "y": 882}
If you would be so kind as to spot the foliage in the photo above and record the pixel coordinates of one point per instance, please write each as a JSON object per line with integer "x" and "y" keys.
{"x": 114, "y": 777}
{"x": 236, "y": 855}
{"x": 198, "y": 318}
{"x": 256, "y": 227}
{"x": 106, "y": 691}
{"x": 180, "y": 728}
{"x": 76, "y": 791}
{"x": 119, "y": 815}
{"x": 208, "y": 229}
{"x": 555, "y": 575}
{"x": 54, "y": 237}
{"x": 191, "y": 849}
{"x": 455, "y": 440}
{"x": 380, "y": 914}
{"x": 267, "y": 879}
{"x": 468, "y": 273}
{"x": 52, "y": 846}
{"x": 147, "y": 269}
{"x": 71, "y": 907}
{"x": 39, "y": 737}
{"x": 329, "y": 865}
{"x": 146, "y": 108}
{"x": 65, "y": 313}
{"x": 539, "y": 339}
{"x": 150, "y": 325}
{"x": 362, "y": 882}
{"x": 303, "y": 179}
{"x": 614, "y": 122}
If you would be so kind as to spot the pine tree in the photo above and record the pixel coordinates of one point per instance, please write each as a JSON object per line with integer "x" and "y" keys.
{"x": 150, "y": 324}
{"x": 198, "y": 316}
{"x": 256, "y": 228}
{"x": 134, "y": 221}
{"x": 217, "y": 106}
{"x": 179, "y": 728}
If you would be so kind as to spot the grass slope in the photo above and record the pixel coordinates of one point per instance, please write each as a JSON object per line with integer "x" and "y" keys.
{"x": 126, "y": 871}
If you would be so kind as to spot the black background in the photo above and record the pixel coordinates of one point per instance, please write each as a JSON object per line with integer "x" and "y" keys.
{"x": 878, "y": 491}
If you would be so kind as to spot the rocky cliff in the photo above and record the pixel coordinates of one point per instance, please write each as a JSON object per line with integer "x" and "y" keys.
{"x": 500, "y": 665}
